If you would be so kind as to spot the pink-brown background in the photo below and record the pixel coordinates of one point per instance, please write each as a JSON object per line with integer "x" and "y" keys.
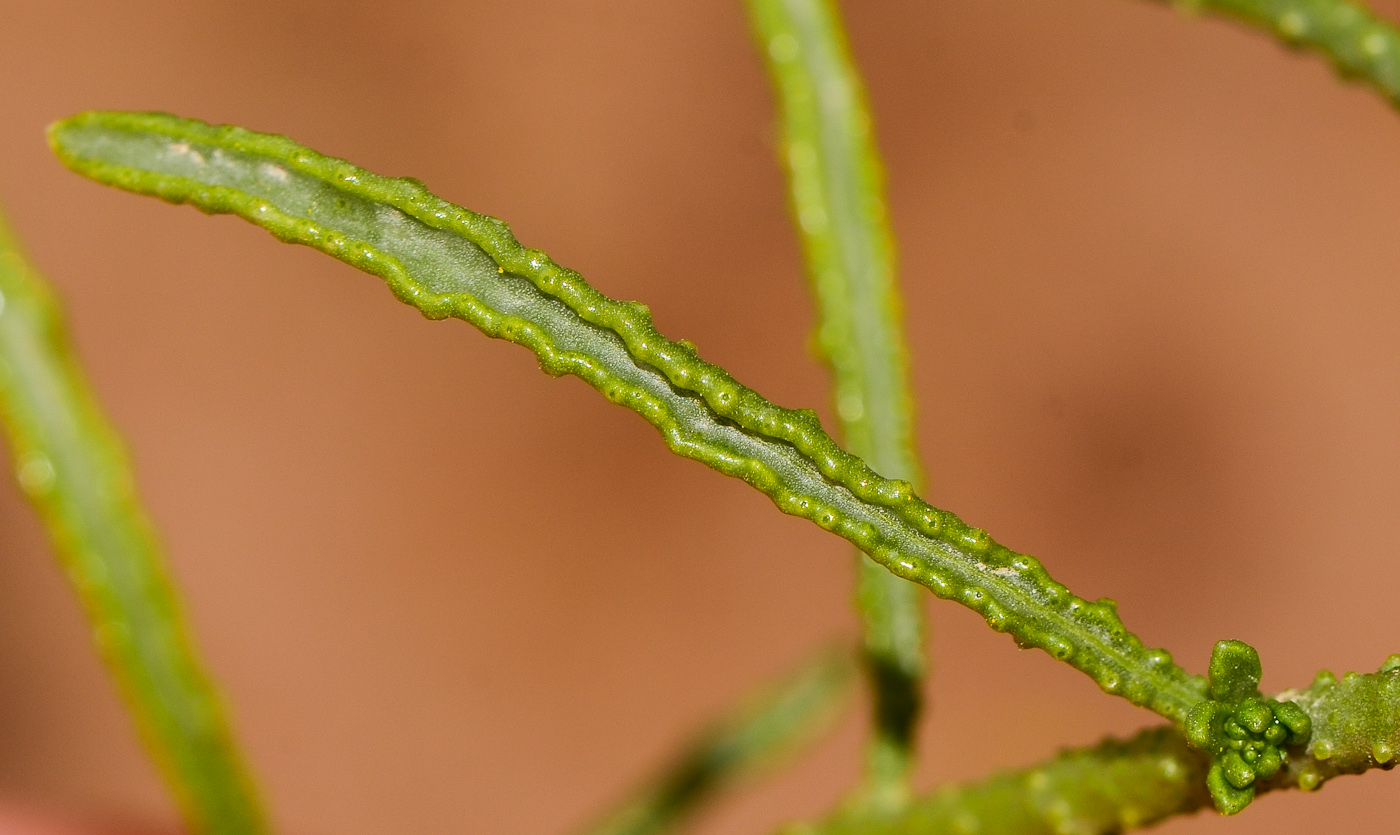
{"x": 1152, "y": 281}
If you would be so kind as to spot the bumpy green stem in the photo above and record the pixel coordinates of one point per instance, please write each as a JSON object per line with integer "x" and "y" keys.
{"x": 1117, "y": 786}
{"x": 777, "y": 723}
{"x": 1109, "y": 788}
{"x": 448, "y": 261}
{"x": 837, "y": 195}
{"x": 70, "y": 464}
{"x": 1355, "y": 725}
{"x": 1359, "y": 44}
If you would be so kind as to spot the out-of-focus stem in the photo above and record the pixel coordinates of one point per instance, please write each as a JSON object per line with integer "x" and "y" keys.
{"x": 838, "y": 201}
{"x": 71, "y": 465}
{"x": 1360, "y": 44}
{"x": 774, "y": 725}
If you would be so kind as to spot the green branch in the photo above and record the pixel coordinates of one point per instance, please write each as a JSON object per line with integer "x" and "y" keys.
{"x": 70, "y": 464}
{"x": 1359, "y": 44}
{"x": 1109, "y": 788}
{"x": 836, "y": 189}
{"x": 447, "y": 261}
{"x": 1355, "y": 722}
{"x": 774, "y": 725}
{"x": 1116, "y": 785}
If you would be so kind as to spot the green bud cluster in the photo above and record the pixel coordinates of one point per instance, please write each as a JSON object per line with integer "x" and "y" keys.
{"x": 1246, "y": 735}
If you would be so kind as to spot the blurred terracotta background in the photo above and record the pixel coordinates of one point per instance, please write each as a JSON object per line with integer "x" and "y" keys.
{"x": 1152, "y": 279}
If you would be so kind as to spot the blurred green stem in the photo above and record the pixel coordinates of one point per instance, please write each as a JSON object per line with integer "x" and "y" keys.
{"x": 836, "y": 188}
{"x": 1359, "y": 44}
{"x": 71, "y": 465}
{"x": 774, "y": 725}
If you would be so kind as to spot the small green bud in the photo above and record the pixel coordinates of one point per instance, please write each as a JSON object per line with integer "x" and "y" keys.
{"x": 1269, "y": 763}
{"x": 1228, "y": 799}
{"x": 1234, "y": 672}
{"x": 1254, "y": 715}
{"x": 1237, "y": 771}
{"x": 1200, "y": 726}
{"x": 1298, "y": 722}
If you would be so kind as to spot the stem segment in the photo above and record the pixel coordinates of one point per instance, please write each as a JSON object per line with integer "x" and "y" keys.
{"x": 774, "y": 724}
{"x": 1118, "y": 785}
{"x": 836, "y": 190}
{"x": 1359, "y": 44}
{"x": 71, "y": 465}
{"x": 448, "y": 261}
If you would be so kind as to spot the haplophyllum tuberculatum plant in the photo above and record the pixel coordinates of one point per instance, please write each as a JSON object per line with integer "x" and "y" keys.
{"x": 1225, "y": 741}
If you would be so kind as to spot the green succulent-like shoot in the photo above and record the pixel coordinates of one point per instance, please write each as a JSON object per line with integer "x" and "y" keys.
{"x": 1245, "y": 734}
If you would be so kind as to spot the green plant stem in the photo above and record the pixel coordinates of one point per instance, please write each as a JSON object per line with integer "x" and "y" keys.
{"x": 1109, "y": 788}
{"x": 71, "y": 465}
{"x": 836, "y": 189}
{"x": 1359, "y": 44}
{"x": 1116, "y": 785}
{"x": 447, "y": 261}
{"x": 1356, "y": 725}
{"x": 773, "y": 726}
